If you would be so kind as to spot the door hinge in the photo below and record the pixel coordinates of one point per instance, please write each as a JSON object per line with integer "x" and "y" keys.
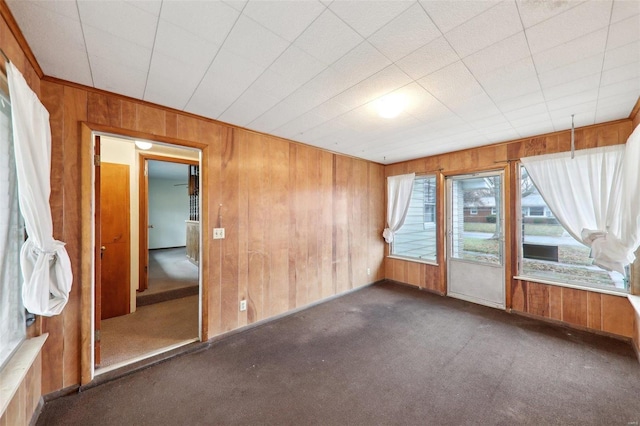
{"x": 96, "y": 160}
{"x": 96, "y": 335}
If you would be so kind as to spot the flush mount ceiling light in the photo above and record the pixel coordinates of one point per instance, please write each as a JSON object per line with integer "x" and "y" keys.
{"x": 144, "y": 145}
{"x": 390, "y": 106}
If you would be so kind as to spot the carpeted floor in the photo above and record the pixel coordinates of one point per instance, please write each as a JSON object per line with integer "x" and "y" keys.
{"x": 386, "y": 354}
{"x": 149, "y": 329}
{"x": 171, "y": 276}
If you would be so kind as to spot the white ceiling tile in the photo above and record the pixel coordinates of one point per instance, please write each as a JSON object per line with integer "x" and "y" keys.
{"x": 285, "y": 18}
{"x": 575, "y": 70}
{"x": 501, "y": 135}
{"x": 534, "y": 12}
{"x": 107, "y": 76}
{"x": 227, "y": 78}
{"x": 429, "y": 58}
{"x": 570, "y": 101}
{"x": 518, "y": 78}
{"x": 379, "y": 84}
{"x": 528, "y": 111}
{"x": 474, "y": 108}
{"x": 576, "y": 22}
{"x": 622, "y": 55}
{"x": 563, "y": 121}
{"x": 367, "y": 17}
{"x": 195, "y": 16}
{"x": 116, "y": 50}
{"x": 331, "y": 109}
{"x": 628, "y": 99}
{"x": 20, "y": 8}
{"x": 250, "y": 105}
{"x": 449, "y": 14}
{"x": 624, "y": 32}
{"x": 537, "y": 129}
{"x": 576, "y": 86}
{"x": 520, "y": 101}
{"x": 297, "y": 65}
{"x": 452, "y": 83}
{"x": 121, "y": 19}
{"x": 152, "y": 7}
{"x": 570, "y": 52}
{"x": 170, "y": 82}
{"x": 623, "y": 73}
{"x": 328, "y": 38}
{"x": 322, "y": 131}
{"x": 295, "y": 128}
{"x": 483, "y": 31}
{"x": 361, "y": 62}
{"x": 70, "y": 63}
{"x": 621, "y": 89}
{"x": 406, "y": 33}
{"x": 184, "y": 46}
{"x": 238, "y": 5}
{"x": 254, "y": 42}
{"x": 504, "y": 52}
{"x": 325, "y": 85}
{"x": 542, "y": 117}
{"x": 275, "y": 84}
{"x": 611, "y": 113}
{"x": 623, "y": 9}
{"x": 421, "y": 104}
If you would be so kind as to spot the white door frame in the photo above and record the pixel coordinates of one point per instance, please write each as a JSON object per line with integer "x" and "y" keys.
{"x": 472, "y": 280}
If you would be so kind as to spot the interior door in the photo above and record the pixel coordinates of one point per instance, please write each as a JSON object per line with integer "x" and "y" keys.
{"x": 115, "y": 238}
{"x": 475, "y": 238}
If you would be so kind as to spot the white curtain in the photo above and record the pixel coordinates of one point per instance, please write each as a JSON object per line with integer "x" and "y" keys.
{"x": 399, "y": 190}
{"x": 595, "y": 197}
{"x": 44, "y": 261}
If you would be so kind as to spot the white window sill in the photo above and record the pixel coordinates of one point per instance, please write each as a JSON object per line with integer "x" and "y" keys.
{"x": 14, "y": 372}
{"x": 612, "y": 292}
{"x": 414, "y": 259}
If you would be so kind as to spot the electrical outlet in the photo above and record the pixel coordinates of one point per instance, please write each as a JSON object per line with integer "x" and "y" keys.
{"x": 218, "y": 233}
{"x": 368, "y": 271}
{"x": 243, "y": 305}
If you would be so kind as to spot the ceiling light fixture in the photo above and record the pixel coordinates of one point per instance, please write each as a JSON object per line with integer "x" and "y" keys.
{"x": 390, "y": 106}
{"x": 144, "y": 145}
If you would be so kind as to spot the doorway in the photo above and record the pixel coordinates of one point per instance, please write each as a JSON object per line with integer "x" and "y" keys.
{"x": 475, "y": 238}
{"x": 138, "y": 331}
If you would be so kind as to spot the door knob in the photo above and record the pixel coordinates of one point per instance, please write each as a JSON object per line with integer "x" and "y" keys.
{"x": 103, "y": 248}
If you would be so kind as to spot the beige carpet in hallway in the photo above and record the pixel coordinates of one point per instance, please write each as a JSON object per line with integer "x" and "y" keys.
{"x": 149, "y": 329}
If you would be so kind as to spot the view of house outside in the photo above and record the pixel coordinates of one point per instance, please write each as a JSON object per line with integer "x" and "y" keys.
{"x": 548, "y": 252}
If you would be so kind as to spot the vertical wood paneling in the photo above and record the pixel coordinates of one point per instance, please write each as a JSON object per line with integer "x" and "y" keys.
{"x": 341, "y": 223}
{"x": 519, "y": 295}
{"x": 574, "y": 306}
{"x": 278, "y": 229}
{"x": 617, "y": 315}
{"x": 538, "y": 299}
{"x": 326, "y": 222}
{"x": 150, "y": 120}
{"x": 555, "y": 303}
{"x": 241, "y": 215}
{"x": 230, "y": 245}
{"x": 375, "y": 244}
{"x": 594, "y": 310}
{"x": 128, "y": 117}
{"x": 258, "y": 181}
{"x": 413, "y": 273}
{"x": 314, "y": 249}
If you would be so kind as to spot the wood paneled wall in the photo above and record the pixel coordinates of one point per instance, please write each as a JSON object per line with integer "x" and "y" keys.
{"x": 26, "y": 399}
{"x": 578, "y": 308}
{"x": 302, "y": 224}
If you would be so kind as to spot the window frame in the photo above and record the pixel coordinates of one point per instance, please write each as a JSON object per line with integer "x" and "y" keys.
{"x": 553, "y": 280}
{"x": 430, "y": 198}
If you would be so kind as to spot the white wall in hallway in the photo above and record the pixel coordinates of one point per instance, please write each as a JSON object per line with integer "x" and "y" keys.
{"x": 168, "y": 211}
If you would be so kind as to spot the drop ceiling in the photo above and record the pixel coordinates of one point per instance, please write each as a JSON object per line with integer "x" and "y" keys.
{"x": 473, "y": 72}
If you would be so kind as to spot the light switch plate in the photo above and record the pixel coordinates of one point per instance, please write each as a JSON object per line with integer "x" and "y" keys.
{"x": 218, "y": 233}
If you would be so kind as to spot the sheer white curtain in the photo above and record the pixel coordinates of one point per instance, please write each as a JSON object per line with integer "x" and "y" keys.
{"x": 595, "y": 197}
{"x": 44, "y": 261}
{"x": 399, "y": 190}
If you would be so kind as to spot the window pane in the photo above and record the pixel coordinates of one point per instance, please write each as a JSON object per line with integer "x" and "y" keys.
{"x": 550, "y": 253}
{"x": 417, "y": 237}
{"x": 12, "y": 325}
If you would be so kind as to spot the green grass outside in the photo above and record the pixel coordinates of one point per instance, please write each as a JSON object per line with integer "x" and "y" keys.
{"x": 529, "y": 228}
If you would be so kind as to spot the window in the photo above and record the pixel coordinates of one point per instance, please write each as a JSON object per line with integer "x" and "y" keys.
{"x": 536, "y": 211}
{"x": 473, "y": 211}
{"x": 12, "y": 318}
{"x": 550, "y": 253}
{"x": 493, "y": 210}
{"x": 417, "y": 237}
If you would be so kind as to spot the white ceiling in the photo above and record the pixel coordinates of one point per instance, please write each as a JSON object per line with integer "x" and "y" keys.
{"x": 476, "y": 72}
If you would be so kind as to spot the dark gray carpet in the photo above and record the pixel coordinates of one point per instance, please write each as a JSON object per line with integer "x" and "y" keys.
{"x": 387, "y": 354}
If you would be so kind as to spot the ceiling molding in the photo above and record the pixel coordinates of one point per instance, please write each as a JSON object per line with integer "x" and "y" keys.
{"x": 22, "y": 42}
{"x": 635, "y": 112}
